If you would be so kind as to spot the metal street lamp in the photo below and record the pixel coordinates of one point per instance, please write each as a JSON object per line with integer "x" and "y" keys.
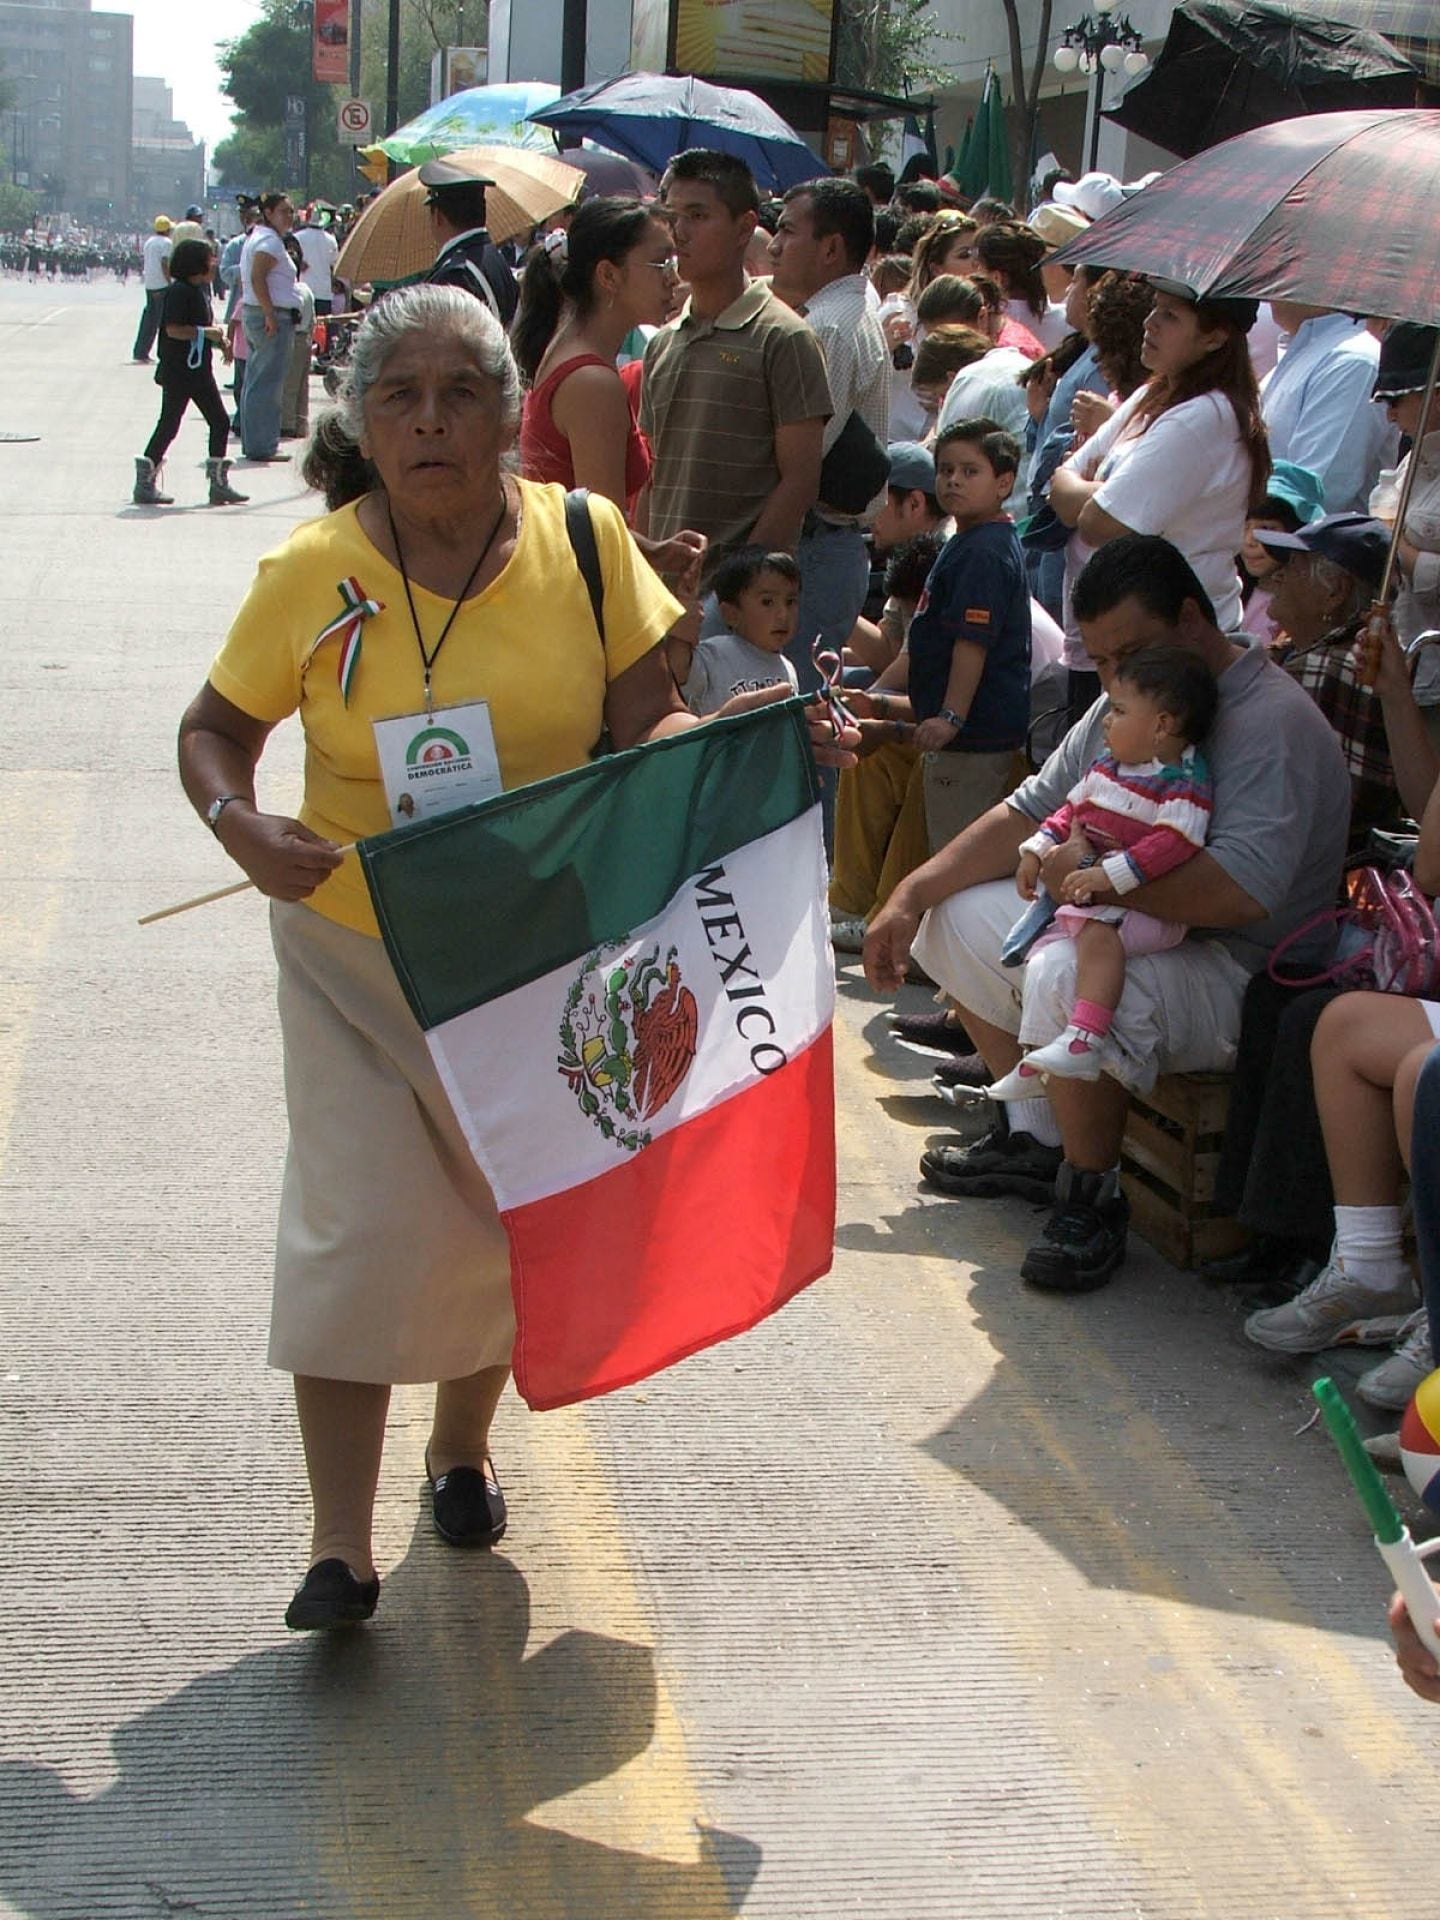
{"x": 1099, "y": 43}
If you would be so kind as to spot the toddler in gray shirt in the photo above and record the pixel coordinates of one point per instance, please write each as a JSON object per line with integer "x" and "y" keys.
{"x": 759, "y": 596}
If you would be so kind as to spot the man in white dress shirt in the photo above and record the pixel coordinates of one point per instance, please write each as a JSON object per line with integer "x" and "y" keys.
{"x": 1318, "y": 407}
{"x": 819, "y": 252}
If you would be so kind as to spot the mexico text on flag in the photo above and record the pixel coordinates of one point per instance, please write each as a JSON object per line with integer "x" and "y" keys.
{"x": 625, "y": 979}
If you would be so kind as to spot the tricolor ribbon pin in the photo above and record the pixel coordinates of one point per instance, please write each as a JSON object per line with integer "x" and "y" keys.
{"x": 348, "y": 626}
{"x": 831, "y": 669}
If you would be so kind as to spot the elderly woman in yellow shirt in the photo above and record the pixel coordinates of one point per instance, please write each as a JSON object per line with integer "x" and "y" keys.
{"x": 440, "y": 599}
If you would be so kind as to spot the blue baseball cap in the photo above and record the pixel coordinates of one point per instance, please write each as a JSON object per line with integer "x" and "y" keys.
{"x": 1352, "y": 540}
{"x": 912, "y": 467}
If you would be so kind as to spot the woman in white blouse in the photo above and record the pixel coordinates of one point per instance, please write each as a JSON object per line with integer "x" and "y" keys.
{"x": 1185, "y": 457}
{"x": 270, "y": 313}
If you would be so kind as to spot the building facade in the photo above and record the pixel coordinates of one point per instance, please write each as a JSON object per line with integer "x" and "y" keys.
{"x": 167, "y": 163}
{"x": 969, "y": 37}
{"x": 67, "y": 133}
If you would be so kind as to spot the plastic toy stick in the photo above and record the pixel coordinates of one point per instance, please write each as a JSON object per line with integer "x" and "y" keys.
{"x": 1392, "y": 1536}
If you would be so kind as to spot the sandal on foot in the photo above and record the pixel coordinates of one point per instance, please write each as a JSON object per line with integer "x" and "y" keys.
{"x": 468, "y": 1506}
{"x": 330, "y": 1596}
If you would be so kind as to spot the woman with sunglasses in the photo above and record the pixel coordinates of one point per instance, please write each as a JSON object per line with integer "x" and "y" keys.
{"x": 581, "y": 294}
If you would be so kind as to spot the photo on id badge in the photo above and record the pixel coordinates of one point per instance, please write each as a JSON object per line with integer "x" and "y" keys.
{"x": 432, "y": 763}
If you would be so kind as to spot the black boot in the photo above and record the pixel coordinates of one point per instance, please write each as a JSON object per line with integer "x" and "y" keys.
{"x": 1084, "y": 1238}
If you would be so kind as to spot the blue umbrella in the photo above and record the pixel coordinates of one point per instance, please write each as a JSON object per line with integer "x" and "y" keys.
{"x": 650, "y": 117}
{"x": 479, "y": 116}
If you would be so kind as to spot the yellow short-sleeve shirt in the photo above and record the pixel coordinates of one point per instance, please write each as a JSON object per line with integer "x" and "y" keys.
{"x": 527, "y": 644}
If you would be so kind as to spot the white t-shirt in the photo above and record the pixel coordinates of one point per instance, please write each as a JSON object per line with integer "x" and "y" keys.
{"x": 990, "y": 388}
{"x": 1187, "y": 478}
{"x": 280, "y": 277}
{"x": 320, "y": 253}
{"x": 153, "y": 255}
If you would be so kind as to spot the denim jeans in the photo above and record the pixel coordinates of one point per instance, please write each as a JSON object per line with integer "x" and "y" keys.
{"x": 834, "y": 579}
{"x": 266, "y": 361}
{"x": 149, "y": 323}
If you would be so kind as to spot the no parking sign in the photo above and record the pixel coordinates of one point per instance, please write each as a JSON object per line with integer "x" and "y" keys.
{"x": 354, "y": 121}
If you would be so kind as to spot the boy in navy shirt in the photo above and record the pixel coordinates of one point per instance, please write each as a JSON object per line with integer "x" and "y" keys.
{"x": 970, "y": 638}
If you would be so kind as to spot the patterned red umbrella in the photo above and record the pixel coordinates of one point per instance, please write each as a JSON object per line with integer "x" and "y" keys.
{"x": 1332, "y": 210}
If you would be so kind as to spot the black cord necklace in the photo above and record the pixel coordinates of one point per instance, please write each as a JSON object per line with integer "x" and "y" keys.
{"x": 427, "y": 660}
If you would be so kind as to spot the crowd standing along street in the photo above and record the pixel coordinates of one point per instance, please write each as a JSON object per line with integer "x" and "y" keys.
{"x": 794, "y": 689}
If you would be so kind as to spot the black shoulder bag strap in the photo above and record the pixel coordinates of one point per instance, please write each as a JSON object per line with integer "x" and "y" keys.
{"x": 581, "y": 529}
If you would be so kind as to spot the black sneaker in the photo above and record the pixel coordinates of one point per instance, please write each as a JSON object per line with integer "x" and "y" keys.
{"x": 931, "y": 1034}
{"x": 1084, "y": 1238}
{"x": 998, "y": 1163}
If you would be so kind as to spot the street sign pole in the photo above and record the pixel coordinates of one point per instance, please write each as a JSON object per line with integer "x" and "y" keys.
{"x": 355, "y": 22}
{"x": 573, "y": 28}
{"x": 392, "y": 71}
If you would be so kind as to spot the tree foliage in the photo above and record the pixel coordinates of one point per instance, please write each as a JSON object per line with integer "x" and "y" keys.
{"x": 272, "y": 60}
{"x": 262, "y": 68}
{"x": 18, "y": 207}
{"x": 886, "y": 46}
{"x": 426, "y": 28}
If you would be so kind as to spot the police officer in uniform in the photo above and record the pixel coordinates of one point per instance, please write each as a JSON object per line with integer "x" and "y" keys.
{"x": 468, "y": 257}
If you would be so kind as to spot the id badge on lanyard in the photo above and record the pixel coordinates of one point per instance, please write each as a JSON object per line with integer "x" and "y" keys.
{"x": 431, "y": 763}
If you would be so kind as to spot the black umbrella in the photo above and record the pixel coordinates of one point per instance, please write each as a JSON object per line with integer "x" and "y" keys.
{"x": 1228, "y": 66}
{"x": 1411, "y": 27}
{"x": 611, "y": 173}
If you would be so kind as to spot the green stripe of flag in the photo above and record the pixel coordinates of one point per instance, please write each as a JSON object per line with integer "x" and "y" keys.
{"x": 485, "y": 899}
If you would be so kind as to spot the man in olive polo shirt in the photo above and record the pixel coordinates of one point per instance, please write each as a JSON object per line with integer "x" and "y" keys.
{"x": 735, "y": 397}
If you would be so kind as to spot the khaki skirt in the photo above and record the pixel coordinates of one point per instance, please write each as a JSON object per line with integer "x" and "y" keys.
{"x": 391, "y": 1264}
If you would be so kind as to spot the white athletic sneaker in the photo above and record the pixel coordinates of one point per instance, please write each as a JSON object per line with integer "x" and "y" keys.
{"x": 847, "y": 934}
{"x": 1391, "y": 1384}
{"x": 1324, "y": 1313}
{"x": 1072, "y": 1055}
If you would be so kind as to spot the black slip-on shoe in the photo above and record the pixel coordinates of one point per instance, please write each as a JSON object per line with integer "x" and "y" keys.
{"x": 468, "y": 1506}
{"x": 999, "y": 1163}
{"x": 931, "y": 1034}
{"x": 1084, "y": 1238}
{"x": 330, "y": 1596}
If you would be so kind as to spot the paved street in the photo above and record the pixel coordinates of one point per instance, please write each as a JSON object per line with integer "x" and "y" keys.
{"x": 934, "y": 1599}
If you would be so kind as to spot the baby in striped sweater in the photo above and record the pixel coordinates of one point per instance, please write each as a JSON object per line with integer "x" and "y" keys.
{"x": 1141, "y": 809}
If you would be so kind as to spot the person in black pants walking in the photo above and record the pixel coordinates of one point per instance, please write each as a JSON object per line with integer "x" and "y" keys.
{"x": 187, "y": 336}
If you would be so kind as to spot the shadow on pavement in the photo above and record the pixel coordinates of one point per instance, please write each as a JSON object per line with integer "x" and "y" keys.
{"x": 385, "y": 1772}
{"x": 1137, "y": 1433}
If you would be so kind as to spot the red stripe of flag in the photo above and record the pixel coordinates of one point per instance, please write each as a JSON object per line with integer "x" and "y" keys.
{"x": 698, "y": 1237}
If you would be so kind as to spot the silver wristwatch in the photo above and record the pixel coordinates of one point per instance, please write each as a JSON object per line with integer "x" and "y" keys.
{"x": 218, "y": 805}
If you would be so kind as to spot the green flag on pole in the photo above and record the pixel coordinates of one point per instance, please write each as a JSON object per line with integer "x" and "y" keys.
{"x": 984, "y": 166}
{"x": 956, "y": 170}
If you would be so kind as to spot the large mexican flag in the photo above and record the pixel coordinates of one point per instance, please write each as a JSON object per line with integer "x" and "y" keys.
{"x": 624, "y": 975}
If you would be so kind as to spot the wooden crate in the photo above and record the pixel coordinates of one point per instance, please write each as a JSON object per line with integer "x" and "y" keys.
{"x": 1168, "y": 1162}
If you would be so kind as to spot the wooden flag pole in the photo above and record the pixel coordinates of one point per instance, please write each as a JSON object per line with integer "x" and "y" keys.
{"x": 206, "y": 899}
